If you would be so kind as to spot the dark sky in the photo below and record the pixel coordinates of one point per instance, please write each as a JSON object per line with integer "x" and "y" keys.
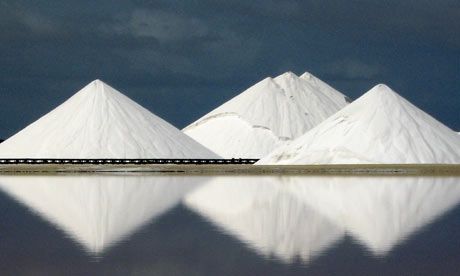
{"x": 180, "y": 59}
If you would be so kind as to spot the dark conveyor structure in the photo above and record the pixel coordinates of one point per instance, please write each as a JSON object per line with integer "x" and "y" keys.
{"x": 128, "y": 161}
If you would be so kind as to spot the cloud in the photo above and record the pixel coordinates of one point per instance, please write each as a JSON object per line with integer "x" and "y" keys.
{"x": 358, "y": 19}
{"x": 17, "y": 21}
{"x": 38, "y": 23}
{"x": 217, "y": 47}
{"x": 164, "y": 26}
{"x": 349, "y": 68}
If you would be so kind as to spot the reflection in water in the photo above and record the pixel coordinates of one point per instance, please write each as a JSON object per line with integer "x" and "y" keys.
{"x": 258, "y": 211}
{"x": 303, "y": 216}
{"x": 98, "y": 211}
{"x": 289, "y": 218}
{"x": 378, "y": 211}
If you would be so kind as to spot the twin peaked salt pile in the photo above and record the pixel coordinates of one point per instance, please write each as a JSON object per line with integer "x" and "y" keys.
{"x": 272, "y": 111}
{"x": 100, "y": 122}
{"x": 379, "y": 127}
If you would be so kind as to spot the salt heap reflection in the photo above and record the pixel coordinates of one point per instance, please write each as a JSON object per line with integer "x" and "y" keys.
{"x": 98, "y": 211}
{"x": 258, "y": 211}
{"x": 380, "y": 212}
{"x": 291, "y": 217}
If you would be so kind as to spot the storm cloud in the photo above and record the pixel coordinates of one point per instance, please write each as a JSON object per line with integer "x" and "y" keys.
{"x": 182, "y": 58}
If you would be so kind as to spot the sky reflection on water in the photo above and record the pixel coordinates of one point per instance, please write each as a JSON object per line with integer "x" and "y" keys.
{"x": 227, "y": 225}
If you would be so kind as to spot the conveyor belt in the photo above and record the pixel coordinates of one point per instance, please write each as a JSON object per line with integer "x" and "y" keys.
{"x": 127, "y": 161}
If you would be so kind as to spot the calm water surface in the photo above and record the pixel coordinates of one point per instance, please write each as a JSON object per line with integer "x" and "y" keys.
{"x": 190, "y": 225}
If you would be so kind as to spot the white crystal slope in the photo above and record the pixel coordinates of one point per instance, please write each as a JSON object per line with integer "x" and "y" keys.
{"x": 100, "y": 122}
{"x": 265, "y": 115}
{"x": 379, "y": 127}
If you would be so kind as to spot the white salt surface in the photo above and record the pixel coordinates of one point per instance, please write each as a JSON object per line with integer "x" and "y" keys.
{"x": 100, "y": 122}
{"x": 99, "y": 211}
{"x": 265, "y": 115}
{"x": 379, "y": 127}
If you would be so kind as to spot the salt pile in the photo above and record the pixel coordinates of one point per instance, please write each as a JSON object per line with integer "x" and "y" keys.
{"x": 379, "y": 127}
{"x": 100, "y": 122}
{"x": 272, "y": 111}
{"x": 269, "y": 220}
{"x": 99, "y": 211}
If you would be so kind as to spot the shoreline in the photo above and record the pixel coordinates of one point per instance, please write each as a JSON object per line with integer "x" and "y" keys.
{"x": 239, "y": 169}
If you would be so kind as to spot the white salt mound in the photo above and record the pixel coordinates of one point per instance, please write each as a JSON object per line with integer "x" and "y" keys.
{"x": 265, "y": 115}
{"x": 100, "y": 122}
{"x": 379, "y": 127}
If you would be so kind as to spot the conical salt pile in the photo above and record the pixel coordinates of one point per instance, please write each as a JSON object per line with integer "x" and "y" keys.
{"x": 379, "y": 127}
{"x": 100, "y": 122}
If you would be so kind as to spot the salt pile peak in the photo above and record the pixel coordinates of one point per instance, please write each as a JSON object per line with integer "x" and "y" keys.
{"x": 268, "y": 113}
{"x": 379, "y": 127}
{"x": 100, "y": 122}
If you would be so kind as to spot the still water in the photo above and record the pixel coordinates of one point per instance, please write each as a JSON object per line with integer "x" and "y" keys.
{"x": 231, "y": 225}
